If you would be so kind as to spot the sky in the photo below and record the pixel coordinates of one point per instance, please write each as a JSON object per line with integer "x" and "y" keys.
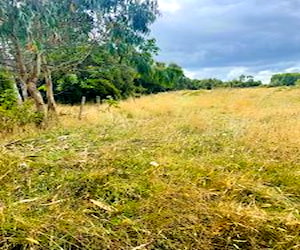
{"x": 226, "y": 38}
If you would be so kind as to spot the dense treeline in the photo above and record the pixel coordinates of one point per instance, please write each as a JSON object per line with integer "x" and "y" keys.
{"x": 241, "y": 82}
{"x": 103, "y": 74}
{"x": 285, "y": 79}
{"x": 61, "y": 50}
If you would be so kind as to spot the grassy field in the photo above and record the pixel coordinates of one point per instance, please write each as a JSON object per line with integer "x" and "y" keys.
{"x": 188, "y": 170}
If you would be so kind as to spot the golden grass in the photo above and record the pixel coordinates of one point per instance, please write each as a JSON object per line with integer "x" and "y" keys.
{"x": 185, "y": 170}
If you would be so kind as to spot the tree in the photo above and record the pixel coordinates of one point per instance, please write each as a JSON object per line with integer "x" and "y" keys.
{"x": 101, "y": 74}
{"x": 36, "y": 35}
{"x": 8, "y": 90}
{"x": 243, "y": 82}
{"x": 162, "y": 77}
{"x": 286, "y": 79}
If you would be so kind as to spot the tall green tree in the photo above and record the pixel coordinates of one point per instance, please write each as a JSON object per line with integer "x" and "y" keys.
{"x": 36, "y": 34}
{"x": 162, "y": 77}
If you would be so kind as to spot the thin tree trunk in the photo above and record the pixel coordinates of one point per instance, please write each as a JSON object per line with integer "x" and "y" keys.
{"x": 50, "y": 94}
{"x": 49, "y": 87}
{"x": 23, "y": 76}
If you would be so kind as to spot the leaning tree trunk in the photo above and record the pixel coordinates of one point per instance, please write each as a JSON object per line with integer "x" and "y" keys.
{"x": 37, "y": 97}
{"x": 32, "y": 87}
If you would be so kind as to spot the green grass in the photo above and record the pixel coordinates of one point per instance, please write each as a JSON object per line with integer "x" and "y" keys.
{"x": 187, "y": 170}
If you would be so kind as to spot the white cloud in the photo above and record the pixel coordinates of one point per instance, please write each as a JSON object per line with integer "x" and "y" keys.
{"x": 171, "y": 6}
{"x": 235, "y": 72}
{"x": 191, "y": 74}
{"x": 226, "y": 38}
{"x": 264, "y": 76}
{"x": 229, "y": 73}
{"x": 214, "y": 72}
{"x": 293, "y": 69}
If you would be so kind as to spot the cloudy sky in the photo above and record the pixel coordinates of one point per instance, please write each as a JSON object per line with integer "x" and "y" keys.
{"x": 227, "y": 38}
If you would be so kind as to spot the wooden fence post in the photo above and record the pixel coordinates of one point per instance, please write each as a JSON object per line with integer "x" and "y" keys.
{"x": 83, "y": 99}
{"x": 98, "y": 100}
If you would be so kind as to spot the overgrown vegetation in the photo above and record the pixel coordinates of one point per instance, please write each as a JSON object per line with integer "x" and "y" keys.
{"x": 17, "y": 117}
{"x": 215, "y": 168}
{"x": 187, "y": 170}
{"x": 40, "y": 38}
{"x": 285, "y": 79}
{"x": 12, "y": 115}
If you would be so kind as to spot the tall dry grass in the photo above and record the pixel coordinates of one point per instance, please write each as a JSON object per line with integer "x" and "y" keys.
{"x": 185, "y": 170}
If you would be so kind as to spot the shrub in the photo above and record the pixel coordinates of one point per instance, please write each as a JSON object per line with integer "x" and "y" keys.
{"x": 15, "y": 116}
{"x": 8, "y": 99}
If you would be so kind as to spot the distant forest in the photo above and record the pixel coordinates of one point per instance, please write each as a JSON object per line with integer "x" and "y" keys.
{"x": 104, "y": 76}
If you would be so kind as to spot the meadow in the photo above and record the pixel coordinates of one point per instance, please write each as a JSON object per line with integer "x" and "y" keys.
{"x": 201, "y": 169}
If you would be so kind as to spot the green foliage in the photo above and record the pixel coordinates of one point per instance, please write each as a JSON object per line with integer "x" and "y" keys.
{"x": 101, "y": 87}
{"x": 243, "y": 82}
{"x": 67, "y": 88}
{"x": 13, "y": 116}
{"x": 206, "y": 84}
{"x": 297, "y": 83}
{"x": 112, "y": 103}
{"x": 162, "y": 77}
{"x": 8, "y": 99}
{"x": 7, "y": 93}
{"x": 286, "y": 79}
{"x": 6, "y": 81}
{"x": 211, "y": 83}
{"x": 101, "y": 74}
{"x": 56, "y": 36}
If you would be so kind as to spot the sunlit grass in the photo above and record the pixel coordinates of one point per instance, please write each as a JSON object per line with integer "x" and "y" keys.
{"x": 226, "y": 175}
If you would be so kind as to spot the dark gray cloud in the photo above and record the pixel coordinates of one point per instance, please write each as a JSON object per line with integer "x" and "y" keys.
{"x": 223, "y": 36}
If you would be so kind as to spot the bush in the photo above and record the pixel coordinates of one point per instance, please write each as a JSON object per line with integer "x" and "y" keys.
{"x": 6, "y": 80}
{"x": 8, "y": 99}
{"x": 15, "y": 116}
